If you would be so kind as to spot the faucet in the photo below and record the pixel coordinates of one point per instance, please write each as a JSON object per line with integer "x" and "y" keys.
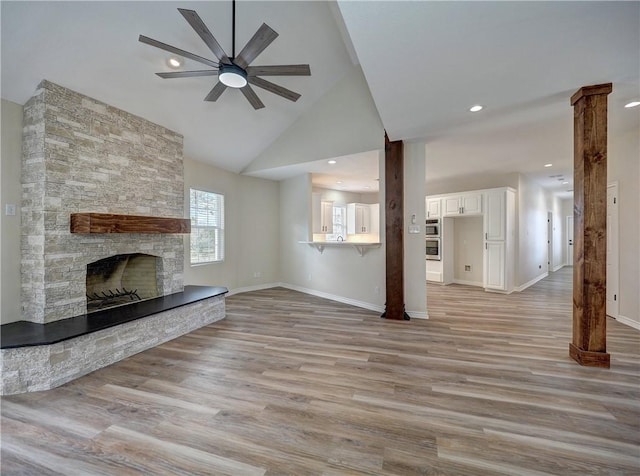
{"x": 340, "y": 238}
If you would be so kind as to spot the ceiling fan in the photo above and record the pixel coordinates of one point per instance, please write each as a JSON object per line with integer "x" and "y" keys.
{"x": 233, "y": 71}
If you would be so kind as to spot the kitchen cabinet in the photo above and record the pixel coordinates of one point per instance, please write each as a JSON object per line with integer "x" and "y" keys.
{"x": 433, "y": 207}
{"x": 497, "y": 207}
{"x": 499, "y": 236}
{"x": 358, "y": 218}
{"x": 495, "y": 216}
{"x": 494, "y": 265}
{"x": 321, "y": 214}
{"x": 464, "y": 204}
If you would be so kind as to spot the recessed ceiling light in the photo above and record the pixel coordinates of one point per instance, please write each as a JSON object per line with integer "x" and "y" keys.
{"x": 565, "y": 182}
{"x": 475, "y": 108}
{"x": 548, "y": 165}
{"x": 174, "y": 62}
{"x": 339, "y": 182}
{"x": 331, "y": 162}
{"x": 632, "y": 104}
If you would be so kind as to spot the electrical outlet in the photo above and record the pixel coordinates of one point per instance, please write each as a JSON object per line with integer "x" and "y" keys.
{"x": 309, "y": 277}
{"x": 377, "y": 289}
{"x": 10, "y": 209}
{"x": 467, "y": 267}
{"x": 257, "y": 274}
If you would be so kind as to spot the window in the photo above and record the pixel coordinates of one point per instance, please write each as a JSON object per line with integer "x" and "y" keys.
{"x": 339, "y": 223}
{"x": 207, "y": 227}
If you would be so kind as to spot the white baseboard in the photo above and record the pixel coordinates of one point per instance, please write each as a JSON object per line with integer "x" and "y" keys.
{"x": 334, "y": 297}
{"x": 257, "y": 287}
{"x": 434, "y": 276}
{"x": 468, "y": 283}
{"x": 628, "y": 321}
{"x": 560, "y": 266}
{"x": 418, "y": 314}
{"x": 532, "y": 282}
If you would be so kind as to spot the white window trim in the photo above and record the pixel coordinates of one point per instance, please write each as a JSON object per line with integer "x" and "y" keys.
{"x": 217, "y": 252}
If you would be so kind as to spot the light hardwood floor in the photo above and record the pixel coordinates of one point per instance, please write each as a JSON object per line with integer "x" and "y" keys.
{"x": 293, "y": 384}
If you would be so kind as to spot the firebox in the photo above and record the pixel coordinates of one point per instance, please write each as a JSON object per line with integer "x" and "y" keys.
{"x": 122, "y": 279}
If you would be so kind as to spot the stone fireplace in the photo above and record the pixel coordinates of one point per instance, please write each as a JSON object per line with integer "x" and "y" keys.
{"x": 82, "y": 156}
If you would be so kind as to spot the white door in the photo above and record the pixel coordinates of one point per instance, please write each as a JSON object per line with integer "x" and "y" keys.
{"x": 451, "y": 206}
{"x": 612, "y": 250}
{"x": 494, "y": 277}
{"x": 569, "y": 241}
{"x": 471, "y": 204}
{"x": 549, "y": 242}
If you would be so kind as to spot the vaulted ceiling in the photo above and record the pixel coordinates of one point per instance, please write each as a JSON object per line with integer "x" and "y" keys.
{"x": 425, "y": 64}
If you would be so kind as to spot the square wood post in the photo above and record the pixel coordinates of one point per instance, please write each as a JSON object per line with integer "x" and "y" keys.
{"x": 589, "y": 346}
{"x": 394, "y": 219}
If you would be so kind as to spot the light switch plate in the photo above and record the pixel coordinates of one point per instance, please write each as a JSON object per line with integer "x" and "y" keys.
{"x": 10, "y": 209}
{"x": 414, "y": 229}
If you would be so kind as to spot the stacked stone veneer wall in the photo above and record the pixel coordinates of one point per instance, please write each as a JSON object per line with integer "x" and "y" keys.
{"x": 29, "y": 369}
{"x": 81, "y": 155}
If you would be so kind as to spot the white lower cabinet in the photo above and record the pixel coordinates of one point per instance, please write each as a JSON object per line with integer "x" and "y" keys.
{"x": 494, "y": 265}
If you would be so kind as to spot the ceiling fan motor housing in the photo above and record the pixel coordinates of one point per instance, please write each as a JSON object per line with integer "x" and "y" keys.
{"x": 232, "y": 75}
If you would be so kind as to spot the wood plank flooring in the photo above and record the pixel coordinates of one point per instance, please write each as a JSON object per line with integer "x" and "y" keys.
{"x": 294, "y": 384}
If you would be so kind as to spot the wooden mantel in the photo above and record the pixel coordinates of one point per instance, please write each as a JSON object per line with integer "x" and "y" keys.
{"x": 111, "y": 223}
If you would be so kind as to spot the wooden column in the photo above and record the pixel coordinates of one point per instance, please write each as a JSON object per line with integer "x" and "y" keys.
{"x": 589, "y": 346}
{"x": 394, "y": 219}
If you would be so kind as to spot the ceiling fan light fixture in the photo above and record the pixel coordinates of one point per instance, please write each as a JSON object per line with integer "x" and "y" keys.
{"x": 232, "y": 76}
{"x": 476, "y": 108}
{"x": 632, "y": 104}
{"x": 174, "y": 63}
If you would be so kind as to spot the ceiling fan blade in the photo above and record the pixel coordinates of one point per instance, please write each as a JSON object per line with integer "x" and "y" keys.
{"x": 252, "y": 97}
{"x": 256, "y": 45}
{"x": 215, "y": 93}
{"x": 177, "y": 51}
{"x": 188, "y": 74}
{"x": 203, "y": 32}
{"x": 280, "y": 70}
{"x": 273, "y": 88}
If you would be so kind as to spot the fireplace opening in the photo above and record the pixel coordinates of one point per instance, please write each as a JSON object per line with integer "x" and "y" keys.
{"x": 122, "y": 279}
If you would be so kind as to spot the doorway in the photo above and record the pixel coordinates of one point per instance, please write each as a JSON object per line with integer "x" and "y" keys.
{"x": 569, "y": 235}
{"x": 612, "y": 250}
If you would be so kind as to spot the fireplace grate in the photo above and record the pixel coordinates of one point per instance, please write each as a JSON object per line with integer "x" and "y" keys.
{"x": 111, "y": 298}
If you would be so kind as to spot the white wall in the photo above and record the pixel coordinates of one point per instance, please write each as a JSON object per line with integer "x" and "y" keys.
{"x": 252, "y": 228}
{"x": 344, "y": 121}
{"x": 624, "y": 168}
{"x": 11, "y": 156}
{"x": 531, "y": 246}
{"x": 469, "y": 182}
{"x": 415, "y": 283}
{"x": 467, "y": 243}
{"x": 338, "y": 273}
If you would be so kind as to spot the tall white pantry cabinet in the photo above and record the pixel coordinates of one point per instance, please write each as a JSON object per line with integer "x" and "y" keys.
{"x": 499, "y": 240}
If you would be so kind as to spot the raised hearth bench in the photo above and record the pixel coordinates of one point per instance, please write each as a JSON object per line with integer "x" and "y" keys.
{"x": 44, "y": 356}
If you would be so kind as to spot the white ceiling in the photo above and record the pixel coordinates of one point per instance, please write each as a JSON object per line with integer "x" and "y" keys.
{"x": 425, "y": 62}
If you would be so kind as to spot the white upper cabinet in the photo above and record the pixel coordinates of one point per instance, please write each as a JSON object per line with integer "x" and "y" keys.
{"x": 322, "y": 214}
{"x": 465, "y": 204}
{"x": 495, "y": 215}
{"x": 358, "y": 218}
{"x": 433, "y": 208}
